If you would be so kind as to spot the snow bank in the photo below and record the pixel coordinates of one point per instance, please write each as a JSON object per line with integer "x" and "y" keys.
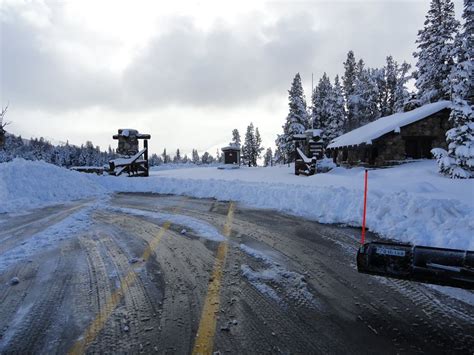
{"x": 29, "y": 184}
{"x": 411, "y": 202}
{"x": 408, "y": 203}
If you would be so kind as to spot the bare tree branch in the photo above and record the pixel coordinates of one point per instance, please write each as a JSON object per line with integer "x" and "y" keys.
{"x": 2, "y": 116}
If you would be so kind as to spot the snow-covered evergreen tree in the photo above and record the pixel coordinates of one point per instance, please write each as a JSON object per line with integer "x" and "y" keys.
{"x": 365, "y": 96}
{"x": 297, "y": 120}
{"x": 337, "y": 116}
{"x": 219, "y": 156}
{"x": 387, "y": 83}
{"x": 402, "y": 96}
{"x": 257, "y": 148}
{"x": 322, "y": 104}
{"x": 207, "y": 158}
{"x": 348, "y": 83}
{"x": 435, "y": 52}
{"x": 249, "y": 146}
{"x": 268, "y": 157}
{"x": 166, "y": 158}
{"x": 195, "y": 157}
{"x": 177, "y": 157}
{"x": 155, "y": 160}
{"x": 458, "y": 161}
{"x": 236, "y": 136}
{"x": 278, "y": 156}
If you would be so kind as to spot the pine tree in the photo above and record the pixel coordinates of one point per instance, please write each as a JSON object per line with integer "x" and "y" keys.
{"x": 177, "y": 157}
{"x": 268, "y": 157}
{"x": 236, "y": 136}
{"x": 195, "y": 157}
{"x": 155, "y": 160}
{"x": 365, "y": 96}
{"x": 165, "y": 157}
{"x": 402, "y": 96}
{"x": 207, "y": 158}
{"x": 257, "y": 148}
{"x": 435, "y": 47}
{"x": 348, "y": 83}
{"x": 321, "y": 104}
{"x": 458, "y": 161}
{"x": 337, "y": 115}
{"x": 297, "y": 120}
{"x": 249, "y": 146}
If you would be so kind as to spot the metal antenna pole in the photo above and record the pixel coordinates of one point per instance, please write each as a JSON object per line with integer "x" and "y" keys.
{"x": 312, "y": 91}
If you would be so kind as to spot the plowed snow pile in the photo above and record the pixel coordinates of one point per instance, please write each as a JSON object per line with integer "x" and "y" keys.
{"x": 29, "y": 184}
{"x": 411, "y": 202}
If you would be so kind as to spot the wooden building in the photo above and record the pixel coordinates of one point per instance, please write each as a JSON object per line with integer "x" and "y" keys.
{"x": 392, "y": 139}
{"x": 232, "y": 154}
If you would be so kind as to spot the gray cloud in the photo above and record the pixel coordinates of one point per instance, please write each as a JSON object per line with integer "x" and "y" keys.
{"x": 225, "y": 66}
{"x": 33, "y": 75}
{"x": 222, "y": 66}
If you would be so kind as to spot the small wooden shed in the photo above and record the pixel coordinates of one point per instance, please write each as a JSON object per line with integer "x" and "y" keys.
{"x": 232, "y": 154}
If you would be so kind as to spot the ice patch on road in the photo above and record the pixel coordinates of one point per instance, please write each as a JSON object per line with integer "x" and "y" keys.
{"x": 273, "y": 278}
{"x": 202, "y": 229}
{"x": 255, "y": 278}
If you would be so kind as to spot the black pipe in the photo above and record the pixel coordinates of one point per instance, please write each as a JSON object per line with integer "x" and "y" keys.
{"x": 446, "y": 267}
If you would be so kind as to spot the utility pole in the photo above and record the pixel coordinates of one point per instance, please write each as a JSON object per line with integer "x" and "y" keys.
{"x": 312, "y": 90}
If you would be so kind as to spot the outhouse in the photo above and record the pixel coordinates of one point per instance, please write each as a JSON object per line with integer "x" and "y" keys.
{"x": 232, "y": 154}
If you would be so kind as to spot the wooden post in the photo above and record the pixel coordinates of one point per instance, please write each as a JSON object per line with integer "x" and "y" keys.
{"x": 362, "y": 239}
{"x": 145, "y": 155}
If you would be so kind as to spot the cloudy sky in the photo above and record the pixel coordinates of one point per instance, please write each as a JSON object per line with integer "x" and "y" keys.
{"x": 187, "y": 72}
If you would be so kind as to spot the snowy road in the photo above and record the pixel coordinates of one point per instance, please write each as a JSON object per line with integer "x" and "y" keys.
{"x": 153, "y": 273}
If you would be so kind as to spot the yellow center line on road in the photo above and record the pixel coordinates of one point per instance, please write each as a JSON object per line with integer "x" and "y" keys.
{"x": 114, "y": 299}
{"x": 207, "y": 326}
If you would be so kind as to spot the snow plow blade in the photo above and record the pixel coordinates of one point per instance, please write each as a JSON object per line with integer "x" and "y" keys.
{"x": 446, "y": 267}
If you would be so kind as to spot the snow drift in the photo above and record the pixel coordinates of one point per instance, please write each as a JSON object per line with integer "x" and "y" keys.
{"x": 29, "y": 184}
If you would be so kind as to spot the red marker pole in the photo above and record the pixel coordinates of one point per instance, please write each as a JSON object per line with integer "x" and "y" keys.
{"x": 362, "y": 239}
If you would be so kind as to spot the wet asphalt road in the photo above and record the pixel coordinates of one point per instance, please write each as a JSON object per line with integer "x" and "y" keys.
{"x": 144, "y": 273}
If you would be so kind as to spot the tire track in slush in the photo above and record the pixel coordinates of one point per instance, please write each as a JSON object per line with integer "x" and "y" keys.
{"x": 207, "y": 326}
{"x": 113, "y": 300}
{"x": 132, "y": 311}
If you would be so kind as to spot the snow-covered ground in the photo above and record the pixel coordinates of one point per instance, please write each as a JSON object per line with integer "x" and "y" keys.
{"x": 411, "y": 202}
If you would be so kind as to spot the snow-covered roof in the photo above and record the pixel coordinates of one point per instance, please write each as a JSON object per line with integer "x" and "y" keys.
{"x": 366, "y": 134}
{"x": 314, "y": 132}
{"x": 232, "y": 146}
{"x": 129, "y": 132}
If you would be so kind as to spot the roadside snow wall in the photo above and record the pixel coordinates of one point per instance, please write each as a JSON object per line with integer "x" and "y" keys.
{"x": 402, "y": 216}
{"x": 30, "y": 184}
{"x": 428, "y": 211}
